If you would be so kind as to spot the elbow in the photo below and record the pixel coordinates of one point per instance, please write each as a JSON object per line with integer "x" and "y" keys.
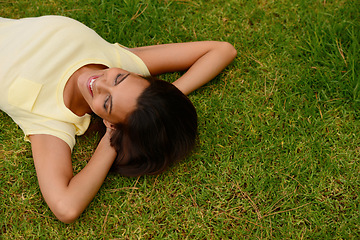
{"x": 65, "y": 213}
{"x": 230, "y": 50}
{"x": 67, "y": 218}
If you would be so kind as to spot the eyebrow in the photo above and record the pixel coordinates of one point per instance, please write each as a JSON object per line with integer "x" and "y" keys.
{"x": 111, "y": 103}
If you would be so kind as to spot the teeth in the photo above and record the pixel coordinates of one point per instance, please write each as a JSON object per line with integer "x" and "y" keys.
{"x": 91, "y": 84}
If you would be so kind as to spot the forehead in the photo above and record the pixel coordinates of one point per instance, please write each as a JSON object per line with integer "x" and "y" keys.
{"x": 124, "y": 97}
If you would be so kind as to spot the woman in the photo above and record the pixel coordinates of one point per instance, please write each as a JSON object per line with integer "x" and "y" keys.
{"x": 55, "y": 72}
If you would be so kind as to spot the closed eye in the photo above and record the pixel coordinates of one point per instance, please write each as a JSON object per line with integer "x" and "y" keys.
{"x": 108, "y": 101}
{"x": 120, "y": 77}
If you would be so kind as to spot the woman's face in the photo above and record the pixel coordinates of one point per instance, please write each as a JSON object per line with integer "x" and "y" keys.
{"x": 111, "y": 93}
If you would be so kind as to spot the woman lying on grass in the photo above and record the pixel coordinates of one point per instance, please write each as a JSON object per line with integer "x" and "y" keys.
{"x": 56, "y": 71}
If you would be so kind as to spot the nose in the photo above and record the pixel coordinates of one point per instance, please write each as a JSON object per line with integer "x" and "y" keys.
{"x": 102, "y": 85}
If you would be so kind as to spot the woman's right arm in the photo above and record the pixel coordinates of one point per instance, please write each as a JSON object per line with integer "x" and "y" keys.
{"x": 202, "y": 61}
{"x": 68, "y": 195}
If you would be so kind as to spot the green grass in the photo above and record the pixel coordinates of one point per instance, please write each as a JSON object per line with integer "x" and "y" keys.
{"x": 279, "y": 144}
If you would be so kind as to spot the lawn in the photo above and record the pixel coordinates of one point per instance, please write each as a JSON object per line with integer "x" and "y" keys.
{"x": 278, "y": 154}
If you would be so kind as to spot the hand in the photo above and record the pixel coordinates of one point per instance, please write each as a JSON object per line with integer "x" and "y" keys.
{"x": 110, "y": 128}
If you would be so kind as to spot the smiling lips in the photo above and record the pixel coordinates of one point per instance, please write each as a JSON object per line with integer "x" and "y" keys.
{"x": 91, "y": 83}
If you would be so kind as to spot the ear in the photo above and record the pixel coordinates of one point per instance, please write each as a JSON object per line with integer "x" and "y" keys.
{"x": 109, "y": 124}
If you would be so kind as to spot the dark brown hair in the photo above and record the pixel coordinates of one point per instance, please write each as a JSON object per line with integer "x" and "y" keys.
{"x": 159, "y": 132}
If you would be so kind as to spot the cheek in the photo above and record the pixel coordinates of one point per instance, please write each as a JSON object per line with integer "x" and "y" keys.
{"x": 98, "y": 108}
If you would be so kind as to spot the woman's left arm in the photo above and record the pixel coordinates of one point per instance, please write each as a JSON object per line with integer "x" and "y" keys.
{"x": 202, "y": 60}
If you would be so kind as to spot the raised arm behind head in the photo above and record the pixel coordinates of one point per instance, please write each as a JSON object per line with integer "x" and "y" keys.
{"x": 202, "y": 61}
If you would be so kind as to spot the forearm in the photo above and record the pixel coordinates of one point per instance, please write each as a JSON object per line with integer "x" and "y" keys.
{"x": 83, "y": 187}
{"x": 206, "y": 68}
